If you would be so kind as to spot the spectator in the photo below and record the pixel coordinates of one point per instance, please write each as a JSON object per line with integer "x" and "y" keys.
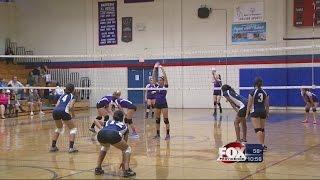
{"x": 13, "y": 105}
{"x": 16, "y": 84}
{"x": 34, "y": 99}
{"x": 3, "y": 83}
{"x": 31, "y": 81}
{"x": 4, "y": 101}
{"x": 36, "y": 73}
{"x": 9, "y": 52}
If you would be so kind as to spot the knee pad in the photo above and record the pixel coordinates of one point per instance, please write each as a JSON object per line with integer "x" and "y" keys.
{"x": 106, "y": 118}
{"x": 307, "y": 109}
{"x": 257, "y": 130}
{"x": 98, "y": 117}
{"x": 59, "y": 130}
{"x": 105, "y": 148}
{"x": 158, "y": 120}
{"x": 262, "y": 129}
{"x": 128, "y": 150}
{"x": 128, "y": 121}
{"x": 148, "y": 107}
{"x": 215, "y": 103}
{"x": 219, "y": 104}
{"x": 314, "y": 109}
{"x": 166, "y": 120}
{"x": 73, "y": 131}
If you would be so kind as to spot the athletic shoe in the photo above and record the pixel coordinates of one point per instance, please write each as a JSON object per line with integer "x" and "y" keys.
{"x": 53, "y": 149}
{"x": 167, "y": 137}
{"x": 134, "y": 135}
{"x": 243, "y": 140}
{"x": 128, "y": 173}
{"x": 92, "y": 130}
{"x": 265, "y": 148}
{"x": 98, "y": 171}
{"x": 31, "y": 113}
{"x": 42, "y": 113}
{"x": 73, "y": 150}
{"x": 314, "y": 122}
{"x": 305, "y": 121}
{"x": 156, "y": 136}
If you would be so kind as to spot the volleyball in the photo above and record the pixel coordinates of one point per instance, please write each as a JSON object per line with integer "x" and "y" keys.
{"x": 213, "y": 70}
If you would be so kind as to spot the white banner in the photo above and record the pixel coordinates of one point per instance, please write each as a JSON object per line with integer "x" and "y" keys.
{"x": 248, "y": 12}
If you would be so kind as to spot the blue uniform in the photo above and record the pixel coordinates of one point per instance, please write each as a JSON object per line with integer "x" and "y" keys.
{"x": 258, "y": 109}
{"x": 124, "y": 103}
{"x": 62, "y": 110}
{"x": 238, "y": 100}
{"x": 151, "y": 94}
{"x": 112, "y": 132}
{"x": 104, "y": 101}
{"x": 161, "y": 97}
{"x": 217, "y": 87}
{"x": 307, "y": 96}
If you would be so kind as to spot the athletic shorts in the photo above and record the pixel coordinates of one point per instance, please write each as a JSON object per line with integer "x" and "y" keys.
{"x": 161, "y": 106}
{"x": 108, "y": 136}
{"x": 152, "y": 97}
{"x": 217, "y": 92}
{"x": 259, "y": 114}
{"x": 101, "y": 106}
{"x": 131, "y": 106}
{"x": 242, "y": 112}
{"x": 60, "y": 114}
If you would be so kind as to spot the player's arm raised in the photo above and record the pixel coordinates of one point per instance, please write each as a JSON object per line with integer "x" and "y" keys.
{"x": 165, "y": 78}
{"x": 154, "y": 74}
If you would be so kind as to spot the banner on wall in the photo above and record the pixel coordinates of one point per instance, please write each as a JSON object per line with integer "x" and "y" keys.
{"x": 108, "y": 34}
{"x": 306, "y": 13}
{"x": 249, "y": 32}
{"x": 137, "y": 1}
{"x": 248, "y": 12}
{"x": 126, "y": 29}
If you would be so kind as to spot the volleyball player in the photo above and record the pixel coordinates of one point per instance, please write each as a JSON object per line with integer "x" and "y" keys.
{"x": 217, "y": 83}
{"x": 161, "y": 105}
{"x": 62, "y": 112}
{"x": 131, "y": 109}
{"x": 312, "y": 102}
{"x": 150, "y": 98}
{"x": 115, "y": 133}
{"x": 258, "y": 109}
{"x": 239, "y": 104}
{"x": 104, "y": 109}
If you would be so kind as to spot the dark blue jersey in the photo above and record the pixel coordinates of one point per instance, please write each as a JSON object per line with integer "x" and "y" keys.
{"x": 236, "y": 99}
{"x": 64, "y": 103}
{"x": 116, "y": 126}
{"x": 307, "y": 96}
{"x": 161, "y": 95}
{"x": 151, "y": 94}
{"x": 124, "y": 103}
{"x": 259, "y": 97}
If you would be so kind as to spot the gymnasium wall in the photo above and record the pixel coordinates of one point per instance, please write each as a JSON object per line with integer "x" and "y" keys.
{"x": 6, "y": 23}
{"x": 172, "y": 27}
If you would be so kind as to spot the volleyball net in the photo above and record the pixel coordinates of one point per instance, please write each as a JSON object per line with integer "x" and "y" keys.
{"x": 284, "y": 71}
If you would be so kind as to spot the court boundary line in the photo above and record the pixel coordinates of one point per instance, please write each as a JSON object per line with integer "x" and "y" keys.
{"x": 279, "y": 162}
{"x": 55, "y": 174}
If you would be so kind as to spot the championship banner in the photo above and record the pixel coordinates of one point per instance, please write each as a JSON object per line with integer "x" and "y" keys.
{"x": 108, "y": 34}
{"x": 248, "y": 12}
{"x": 126, "y": 29}
{"x": 306, "y": 13}
{"x": 137, "y": 1}
{"x": 249, "y": 32}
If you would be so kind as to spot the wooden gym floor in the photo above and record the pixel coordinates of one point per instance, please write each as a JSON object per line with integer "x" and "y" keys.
{"x": 294, "y": 149}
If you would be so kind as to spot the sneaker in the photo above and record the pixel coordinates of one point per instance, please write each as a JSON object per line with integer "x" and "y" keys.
{"x": 314, "y": 122}
{"x": 53, "y": 149}
{"x": 73, "y": 150}
{"x": 98, "y": 171}
{"x": 265, "y": 148}
{"x": 42, "y": 113}
{"x": 243, "y": 140}
{"x": 305, "y": 121}
{"x": 92, "y": 130}
{"x": 128, "y": 173}
{"x": 167, "y": 137}
{"x": 134, "y": 135}
{"x": 156, "y": 136}
{"x": 31, "y": 113}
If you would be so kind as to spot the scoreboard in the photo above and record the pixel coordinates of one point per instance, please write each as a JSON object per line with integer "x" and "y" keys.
{"x": 306, "y": 13}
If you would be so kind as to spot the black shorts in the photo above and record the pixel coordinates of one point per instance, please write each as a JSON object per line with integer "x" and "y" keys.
{"x": 108, "y": 136}
{"x": 59, "y": 114}
{"x": 217, "y": 92}
{"x": 161, "y": 106}
{"x": 242, "y": 112}
{"x": 259, "y": 114}
{"x": 132, "y": 107}
{"x": 100, "y": 106}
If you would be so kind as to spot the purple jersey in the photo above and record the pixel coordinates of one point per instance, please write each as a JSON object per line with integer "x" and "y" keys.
{"x": 217, "y": 85}
{"x": 105, "y": 101}
{"x": 307, "y": 96}
{"x": 161, "y": 94}
{"x": 151, "y": 94}
{"x": 124, "y": 103}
